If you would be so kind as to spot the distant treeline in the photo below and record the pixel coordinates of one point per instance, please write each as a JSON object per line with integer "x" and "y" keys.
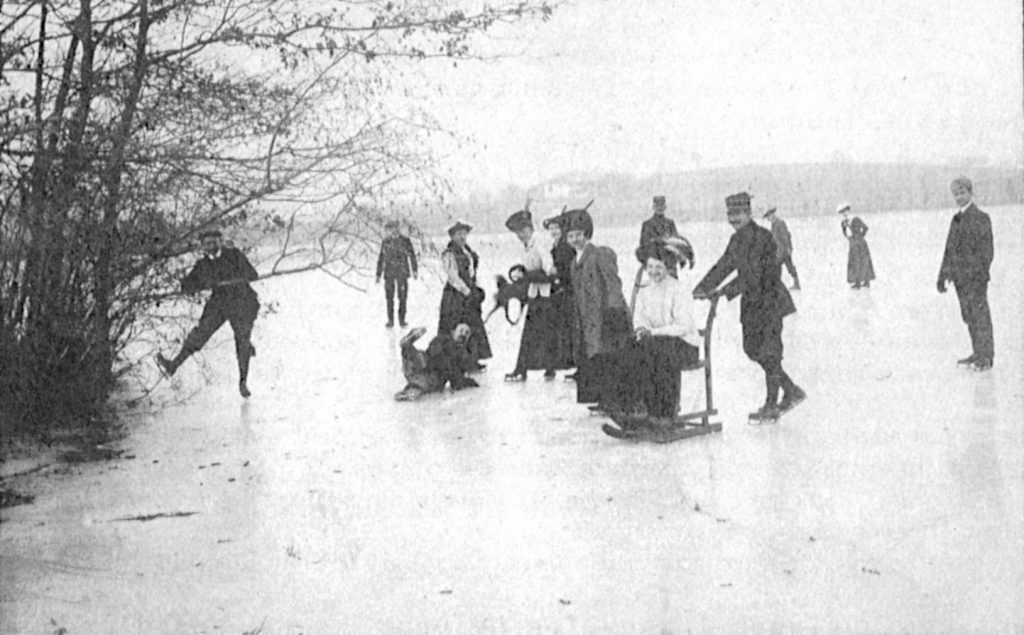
{"x": 796, "y": 190}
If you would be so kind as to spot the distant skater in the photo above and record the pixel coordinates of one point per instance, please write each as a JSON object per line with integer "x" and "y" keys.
{"x": 397, "y": 260}
{"x": 461, "y": 300}
{"x": 764, "y": 303}
{"x": 783, "y": 245}
{"x": 859, "y": 270}
{"x": 966, "y": 261}
{"x": 228, "y": 273}
{"x": 657, "y": 228}
{"x": 445, "y": 361}
{"x": 603, "y": 324}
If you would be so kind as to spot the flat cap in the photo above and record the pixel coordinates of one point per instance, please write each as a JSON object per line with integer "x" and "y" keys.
{"x": 740, "y": 201}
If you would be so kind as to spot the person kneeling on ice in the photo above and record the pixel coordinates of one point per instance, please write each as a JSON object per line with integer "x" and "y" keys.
{"x": 228, "y": 273}
{"x": 445, "y": 361}
{"x": 666, "y": 342}
{"x": 765, "y": 301}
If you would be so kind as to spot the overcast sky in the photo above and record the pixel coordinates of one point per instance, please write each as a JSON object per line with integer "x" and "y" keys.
{"x": 643, "y": 86}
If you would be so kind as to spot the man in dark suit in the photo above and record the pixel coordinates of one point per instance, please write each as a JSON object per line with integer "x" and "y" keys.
{"x": 396, "y": 261}
{"x": 658, "y": 228}
{"x": 783, "y": 245}
{"x": 966, "y": 262}
{"x": 228, "y": 273}
{"x": 765, "y": 301}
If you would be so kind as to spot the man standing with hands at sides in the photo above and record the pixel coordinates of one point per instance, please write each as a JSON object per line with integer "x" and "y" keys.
{"x": 658, "y": 227}
{"x": 396, "y": 261}
{"x": 784, "y": 245}
{"x": 966, "y": 262}
{"x": 765, "y": 302}
{"x": 228, "y": 273}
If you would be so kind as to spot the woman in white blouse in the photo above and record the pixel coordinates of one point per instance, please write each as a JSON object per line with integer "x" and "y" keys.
{"x": 667, "y": 341}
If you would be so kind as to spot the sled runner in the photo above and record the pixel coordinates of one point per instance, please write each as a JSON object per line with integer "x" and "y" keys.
{"x": 682, "y": 426}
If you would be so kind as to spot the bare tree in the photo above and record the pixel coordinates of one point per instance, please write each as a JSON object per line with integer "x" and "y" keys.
{"x": 131, "y": 125}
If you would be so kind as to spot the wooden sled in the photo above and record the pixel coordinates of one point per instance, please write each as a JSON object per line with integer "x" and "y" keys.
{"x": 690, "y": 424}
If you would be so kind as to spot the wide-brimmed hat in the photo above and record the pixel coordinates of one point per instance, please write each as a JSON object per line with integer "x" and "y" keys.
{"x": 207, "y": 233}
{"x": 519, "y": 220}
{"x": 579, "y": 220}
{"x": 842, "y": 207}
{"x": 459, "y": 226}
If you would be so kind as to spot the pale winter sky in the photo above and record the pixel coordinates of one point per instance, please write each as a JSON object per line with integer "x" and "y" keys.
{"x": 643, "y": 86}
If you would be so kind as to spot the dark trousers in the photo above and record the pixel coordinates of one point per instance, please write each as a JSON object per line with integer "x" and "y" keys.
{"x": 762, "y": 342}
{"x": 391, "y": 287}
{"x": 787, "y": 262}
{"x": 973, "y": 296}
{"x": 240, "y": 315}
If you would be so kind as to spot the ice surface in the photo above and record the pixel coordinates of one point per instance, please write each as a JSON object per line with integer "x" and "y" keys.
{"x": 891, "y": 500}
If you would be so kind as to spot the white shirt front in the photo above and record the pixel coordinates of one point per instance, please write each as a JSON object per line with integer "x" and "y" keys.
{"x": 666, "y": 308}
{"x": 537, "y": 257}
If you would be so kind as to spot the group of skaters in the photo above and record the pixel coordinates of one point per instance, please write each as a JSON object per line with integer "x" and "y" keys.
{"x": 627, "y": 359}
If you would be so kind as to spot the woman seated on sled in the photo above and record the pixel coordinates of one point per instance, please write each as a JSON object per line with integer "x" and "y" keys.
{"x": 445, "y": 361}
{"x": 666, "y": 342}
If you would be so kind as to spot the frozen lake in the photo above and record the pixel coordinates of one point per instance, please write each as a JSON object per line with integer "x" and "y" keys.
{"x": 891, "y": 500}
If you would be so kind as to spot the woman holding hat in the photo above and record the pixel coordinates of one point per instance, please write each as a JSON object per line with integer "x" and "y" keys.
{"x": 461, "y": 299}
{"x": 859, "y": 270}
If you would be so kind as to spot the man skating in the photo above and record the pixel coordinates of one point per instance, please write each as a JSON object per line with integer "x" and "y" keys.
{"x": 227, "y": 272}
{"x": 966, "y": 262}
{"x": 765, "y": 302}
{"x": 397, "y": 260}
{"x": 783, "y": 245}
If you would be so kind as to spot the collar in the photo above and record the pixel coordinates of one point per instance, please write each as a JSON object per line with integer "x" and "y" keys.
{"x": 214, "y": 256}
{"x": 967, "y": 207}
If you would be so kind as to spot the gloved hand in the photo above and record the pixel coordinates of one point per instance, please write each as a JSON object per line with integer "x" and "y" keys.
{"x": 941, "y": 285}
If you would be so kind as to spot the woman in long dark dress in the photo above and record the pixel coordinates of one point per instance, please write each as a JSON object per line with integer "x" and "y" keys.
{"x": 562, "y": 302}
{"x": 859, "y": 270}
{"x": 461, "y": 299}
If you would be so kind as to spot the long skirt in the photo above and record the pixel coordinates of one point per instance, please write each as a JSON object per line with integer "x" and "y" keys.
{"x": 858, "y": 264}
{"x": 542, "y": 346}
{"x": 563, "y": 323}
{"x": 645, "y": 375}
{"x": 459, "y": 309}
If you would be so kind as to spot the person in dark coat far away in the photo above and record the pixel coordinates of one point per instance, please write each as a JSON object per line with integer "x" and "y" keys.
{"x": 965, "y": 262}
{"x": 657, "y": 228}
{"x": 228, "y": 273}
{"x": 397, "y": 260}
{"x": 765, "y": 302}
{"x": 783, "y": 245}
{"x": 859, "y": 269}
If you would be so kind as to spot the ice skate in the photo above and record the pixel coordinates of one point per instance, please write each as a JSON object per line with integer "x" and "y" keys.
{"x": 967, "y": 361}
{"x": 413, "y": 335}
{"x": 516, "y": 376}
{"x": 791, "y": 399}
{"x": 243, "y": 389}
{"x": 766, "y": 414}
{"x": 981, "y": 364}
